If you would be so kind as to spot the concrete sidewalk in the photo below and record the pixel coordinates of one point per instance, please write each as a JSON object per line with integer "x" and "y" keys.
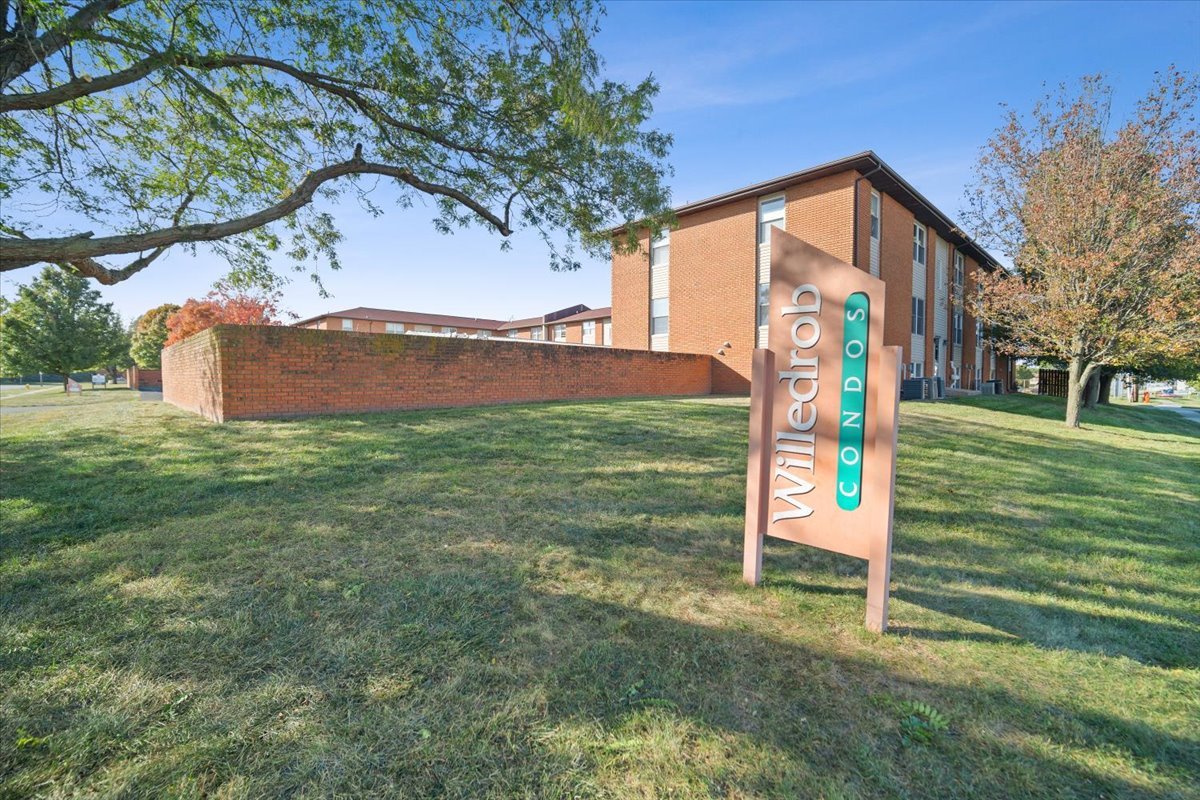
{"x": 1192, "y": 414}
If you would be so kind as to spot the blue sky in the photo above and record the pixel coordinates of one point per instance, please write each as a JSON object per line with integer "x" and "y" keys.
{"x": 750, "y": 91}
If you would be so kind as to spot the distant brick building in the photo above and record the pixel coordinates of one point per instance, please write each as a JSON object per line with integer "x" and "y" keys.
{"x": 381, "y": 320}
{"x": 701, "y": 288}
{"x": 573, "y": 325}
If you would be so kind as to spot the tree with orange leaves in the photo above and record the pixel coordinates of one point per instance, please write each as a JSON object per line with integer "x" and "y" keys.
{"x": 223, "y": 305}
{"x": 1100, "y": 223}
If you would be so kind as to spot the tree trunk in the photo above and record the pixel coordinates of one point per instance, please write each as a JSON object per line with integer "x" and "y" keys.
{"x": 1093, "y": 390}
{"x": 1106, "y": 379}
{"x": 1079, "y": 373}
{"x": 66, "y": 379}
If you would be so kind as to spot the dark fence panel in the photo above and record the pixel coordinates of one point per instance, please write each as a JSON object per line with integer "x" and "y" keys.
{"x": 1053, "y": 382}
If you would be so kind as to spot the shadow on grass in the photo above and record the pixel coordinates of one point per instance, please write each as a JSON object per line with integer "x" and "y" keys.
{"x": 460, "y": 678}
{"x": 1112, "y": 417}
{"x": 397, "y": 603}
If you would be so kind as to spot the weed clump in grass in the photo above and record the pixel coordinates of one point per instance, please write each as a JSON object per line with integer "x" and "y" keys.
{"x": 921, "y": 723}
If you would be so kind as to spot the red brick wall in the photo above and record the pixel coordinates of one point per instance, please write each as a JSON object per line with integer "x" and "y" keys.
{"x": 192, "y": 377}
{"x": 631, "y": 297}
{"x": 821, "y": 212}
{"x": 713, "y": 290}
{"x": 269, "y": 371}
{"x": 896, "y": 270}
{"x": 149, "y": 380}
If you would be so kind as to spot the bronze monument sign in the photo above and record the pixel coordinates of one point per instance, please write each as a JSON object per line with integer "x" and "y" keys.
{"x": 823, "y": 408}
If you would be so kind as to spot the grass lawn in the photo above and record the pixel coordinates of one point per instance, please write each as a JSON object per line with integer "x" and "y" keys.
{"x": 37, "y": 397}
{"x": 545, "y": 601}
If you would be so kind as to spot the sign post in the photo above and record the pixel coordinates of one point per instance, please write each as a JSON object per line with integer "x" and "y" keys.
{"x": 823, "y": 418}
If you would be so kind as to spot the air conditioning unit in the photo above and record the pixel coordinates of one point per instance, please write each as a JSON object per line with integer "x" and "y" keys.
{"x": 913, "y": 389}
{"x": 987, "y": 387}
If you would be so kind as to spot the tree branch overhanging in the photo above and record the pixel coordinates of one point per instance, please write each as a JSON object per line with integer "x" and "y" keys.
{"x": 81, "y": 251}
{"x": 23, "y": 49}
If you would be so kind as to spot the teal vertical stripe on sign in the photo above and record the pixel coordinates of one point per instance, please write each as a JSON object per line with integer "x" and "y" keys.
{"x": 851, "y": 420}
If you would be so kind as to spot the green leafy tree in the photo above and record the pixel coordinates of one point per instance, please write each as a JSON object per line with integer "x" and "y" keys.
{"x": 149, "y": 335}
{"x": 58, "y": 324}
{"x": 177, "y": 123}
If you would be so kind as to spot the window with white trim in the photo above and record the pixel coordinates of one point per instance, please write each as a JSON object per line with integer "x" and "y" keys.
{"x": 958, "y": 327}
{"x": 537, "y": 333}
{"x": 347, "y": 324}
{"x": 589, "y": 331}
{"x": 875, "y": 209}
{"x": 560, "y": 333}
{"x": 764, "y": 304}
{"x": 978, "y": 332}
{"x": 919, "y": 244}
{"x": 395, "y": 327}
{"x": 512, "y": 333}
{"x": 660, "y": 285}
{"x": 916, "y": 369}
{"x": 658, "y": 316}
{"x": 660, "y": 249}
{"x": 959, "y": 271}
{"x": 448, "y": 329}
{"x": 918, "y": 316}
{"x": 771, "y": 213}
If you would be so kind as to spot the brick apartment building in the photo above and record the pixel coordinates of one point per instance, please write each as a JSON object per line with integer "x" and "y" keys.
{"x": 701, "y": 288}
{"x": 573, "y": 325}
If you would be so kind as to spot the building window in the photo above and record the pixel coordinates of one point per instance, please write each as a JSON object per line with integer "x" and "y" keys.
{"x": 958, "y": 327}
{"x": 660, "y": 249}
{"x": 959, "y": 271}
{"x": 395, "y": 327}
{"x": 589, "y": 331}
{"x": 978, "y": 332}
{"x": 764, "y": 304}
{"x": 512, "y": 333}
{"x": 449, "y": 330}
{"x": 560, "y": 333}
{"x": 484, "y": 334}
{"x": 658, "y": 316}
{"x": 770, "y": 215}
{"x": 919, "y": 244}
{"x": 918, "y": 316}
{"x": 660, "y": 255}
{"x": 347, "y": 324}
{"x": 916, "y": 369}
{"x": 874, "y": 215}
{"x": 537, "y": 333}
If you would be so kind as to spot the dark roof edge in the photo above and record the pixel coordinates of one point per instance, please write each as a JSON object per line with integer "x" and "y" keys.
{"x": 864, "y": 162}
{"x": 360, "y": 313}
